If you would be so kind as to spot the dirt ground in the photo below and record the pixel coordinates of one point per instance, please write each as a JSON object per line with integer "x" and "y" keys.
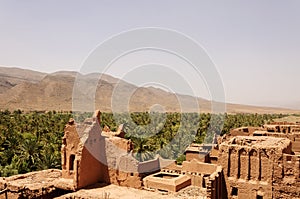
{"x": 290, "y": 118}
{"x": 115, "y": 192}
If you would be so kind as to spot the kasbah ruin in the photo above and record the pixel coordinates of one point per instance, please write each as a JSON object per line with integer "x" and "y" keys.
{"x": 249, "y": 162}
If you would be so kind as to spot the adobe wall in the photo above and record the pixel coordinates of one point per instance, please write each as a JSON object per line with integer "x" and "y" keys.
{"x": 88, "y": 157}
{"x": 202, "y": 157}
{"x": 167, "y": 182}
{"x": 207, "y": 176}
{"x": 122, "y": 168}
{"x": 149, "y": 166}
{"x": 216, "y": 186}
{"x": 195, "y": 166}
{"x": 213, "y": 155}
{"x": 200, "y": 152}
{"x": 294, "y": 137}
{"x": 243, "y": 131}
{"x": 248, "y": 169}
{"x": 296, "y": 143}
{"x": 243, "y": 170}
{"x": 287, "y": 130}
{"x": 195, "y": 169}
{"x": 286, "y": 177}
{"x": 276, "y": 129}
{"x": 280, "y": 127}
{"x": 89, "y": 169}
{"x": 82, "y": 144}
{"x": 70, "y": 143}
{"x": 106, "y": 159}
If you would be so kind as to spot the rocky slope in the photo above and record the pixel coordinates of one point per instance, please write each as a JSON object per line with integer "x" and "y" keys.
{"x": 30, "y": 90}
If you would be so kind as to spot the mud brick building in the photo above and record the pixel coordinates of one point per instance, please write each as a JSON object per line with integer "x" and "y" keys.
{"x": 249, "y": 162}
{"x": 90, "y": 156}
{"x": 262, "y": 162}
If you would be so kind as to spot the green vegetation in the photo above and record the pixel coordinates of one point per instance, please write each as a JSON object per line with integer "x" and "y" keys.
{"x": 32, "y": 141}
{"x": 168, "y": 134}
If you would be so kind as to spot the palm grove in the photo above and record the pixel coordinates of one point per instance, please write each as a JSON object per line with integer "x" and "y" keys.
{"x": 32, "y": 141}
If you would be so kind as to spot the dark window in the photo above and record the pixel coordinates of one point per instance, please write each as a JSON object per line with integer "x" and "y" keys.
{"x": 71, "y": 162}
{"x": 234, "y": 191}
{"x": 203, "y": 183}
{"x": 259, "y": 197}
{"x": 65, "y": 159}
{"x": 245, "y": 130}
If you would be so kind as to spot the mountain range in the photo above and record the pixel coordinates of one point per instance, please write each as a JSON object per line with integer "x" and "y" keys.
{"x": 31, "y": 90}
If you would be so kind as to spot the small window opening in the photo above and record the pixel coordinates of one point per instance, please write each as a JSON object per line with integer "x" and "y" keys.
{"x": 203, "y": 183}
{"x": 71, "y": 162}
{"x": 234, "y": 191}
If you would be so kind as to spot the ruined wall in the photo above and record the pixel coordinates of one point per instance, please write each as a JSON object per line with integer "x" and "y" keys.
{"x": 122, "y": 167}
{"x": 285, "y": 130}
{"x": 90, "y": 169}
{"x": 286, "y": 177}
{"x": 296, "y": 143}
{"x": 84, "y": 150}
{"x": 243, "y": 169}
{"x": 276, "y": 129}
{"x": 70, "y": 143}
{"x": 282, "y": 127}
{"x": 215, "y": 184}
{"x": 293, "y": 137}
{"x": 248, "y": 168}
{"x": 88, "y": 157}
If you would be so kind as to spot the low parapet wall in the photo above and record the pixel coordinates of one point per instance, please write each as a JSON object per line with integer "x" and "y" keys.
{"x": 198, "y": 167}
{"x": 208, "y": 176}
{"x": 166, "y": 181}
{"x": 149, "y": 166}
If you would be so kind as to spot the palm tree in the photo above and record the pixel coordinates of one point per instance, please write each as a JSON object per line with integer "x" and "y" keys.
{"x": 29, "y": 155}
{"x": 142, "y": 149}
{"x": 49, "y": 159}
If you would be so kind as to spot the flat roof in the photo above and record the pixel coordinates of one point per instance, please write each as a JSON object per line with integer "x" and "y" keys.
{"x": 34, "y": 180}
{"x": 199, "y": 148}
{"x": 259, "y": 141}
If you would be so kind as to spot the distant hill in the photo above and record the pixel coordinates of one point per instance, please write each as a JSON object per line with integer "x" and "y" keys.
{"x": 10, "y": 77}
{"x": 30, "y": 90}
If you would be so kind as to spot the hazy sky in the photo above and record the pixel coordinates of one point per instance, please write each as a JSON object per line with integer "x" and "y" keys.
{"x": 254, "y": 44}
